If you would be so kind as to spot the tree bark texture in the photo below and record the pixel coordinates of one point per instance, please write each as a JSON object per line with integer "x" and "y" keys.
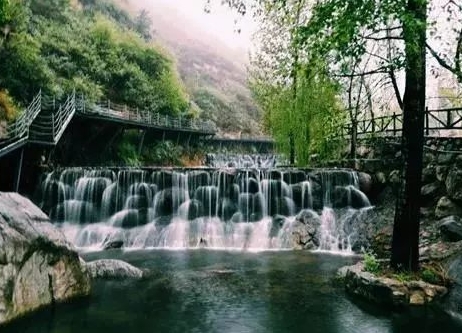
{"x": 405, "y": 243}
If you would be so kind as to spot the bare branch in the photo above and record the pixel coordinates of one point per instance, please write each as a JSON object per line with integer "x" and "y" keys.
{"x": 443, "y": 63}
{"x": 380, "y": 70}
{"x": 383, "y": 38}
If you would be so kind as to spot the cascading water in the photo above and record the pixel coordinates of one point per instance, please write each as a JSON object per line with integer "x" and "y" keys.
{"x": 242, "y": 161}
{"x": 255, "y": 209}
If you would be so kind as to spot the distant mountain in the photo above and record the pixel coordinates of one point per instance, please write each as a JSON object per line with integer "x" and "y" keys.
{"x": 214, "y": 74}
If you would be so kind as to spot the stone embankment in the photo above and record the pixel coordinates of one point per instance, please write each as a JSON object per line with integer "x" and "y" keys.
{"x": 441, "y": 216}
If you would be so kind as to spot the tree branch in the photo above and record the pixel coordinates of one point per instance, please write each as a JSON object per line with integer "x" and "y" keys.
{"x": 380, "y": 70}
{"x": 443, "y": 63}
{"x": 383, "y": 38}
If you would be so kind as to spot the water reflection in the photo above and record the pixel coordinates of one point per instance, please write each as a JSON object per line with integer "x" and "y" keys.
{"x": 219, "y": 291}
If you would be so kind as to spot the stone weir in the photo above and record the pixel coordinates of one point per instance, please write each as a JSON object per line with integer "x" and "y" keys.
{"x": 215, "y": 208}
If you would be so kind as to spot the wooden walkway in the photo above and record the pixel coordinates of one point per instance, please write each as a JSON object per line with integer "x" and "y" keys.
{"x": 43, "y": 125}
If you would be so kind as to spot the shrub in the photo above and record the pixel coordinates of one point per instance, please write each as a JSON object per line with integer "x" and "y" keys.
{"x": 8, "y": 110}
{"x": 371, "y": 264}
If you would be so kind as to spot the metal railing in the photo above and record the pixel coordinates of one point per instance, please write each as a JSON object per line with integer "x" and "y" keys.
{"x": 48, "y": 128}
{"x": 45, "y": 120}
{"x": 125, "y": 113}
{"x": 18, "y": 131}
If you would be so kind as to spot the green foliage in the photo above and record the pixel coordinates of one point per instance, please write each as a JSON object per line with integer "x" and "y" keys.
{"x": 57, "y": 48}
{"x": 436, "y": 273}
{"x": 164, "y": 153}
{"x": 128, "y": 155}
{"x": 8, "y": 110}
{"x": 403, "y": 277}
{"x": 430, "y": 276}
{"x": 309, "y": 112}
{"x": 371, "y": 264}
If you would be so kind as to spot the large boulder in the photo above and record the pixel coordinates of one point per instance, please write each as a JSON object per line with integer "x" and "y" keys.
{"x": 305, "y": 230}
{"x": 453, "y": 303}
{"x": 365, "y": 182}
{"x": 38, "y": 267}
{"x": 112, "y": 269}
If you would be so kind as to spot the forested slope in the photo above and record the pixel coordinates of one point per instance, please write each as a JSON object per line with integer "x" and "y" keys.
{"x": 92, "y": 46}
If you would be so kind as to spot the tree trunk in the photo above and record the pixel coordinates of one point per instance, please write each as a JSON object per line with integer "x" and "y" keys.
{"x": 405, "y": 244}
{"x": 292, "y": 149}
{"x": 354, "y": 139}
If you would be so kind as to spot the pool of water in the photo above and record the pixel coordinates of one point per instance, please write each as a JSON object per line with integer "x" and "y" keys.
{"x": 220, "y": 291}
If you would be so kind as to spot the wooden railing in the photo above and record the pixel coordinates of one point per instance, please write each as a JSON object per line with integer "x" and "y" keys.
{"x": 437, "y": 123}
{"x": 48, "y": 128}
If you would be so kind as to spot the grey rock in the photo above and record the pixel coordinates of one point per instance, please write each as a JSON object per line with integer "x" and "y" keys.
{"x": 441, "y": 172}
{"x": 454, "y": 184}
{"x": 113, "y": 269}
{"x": 446, "y": 207}
{"x": 115, "y": 244}
{"x": 394, "y": 177}
{"x": 430, "y": 192}
{"x": 388, "y": 291}
{"x": 451, "y": 228}
{"x": 38, "y": 267}
{"x": 453, "y": 302}
{"x": 305, "y": 230}
{"x": 365, "y": 182}
{"x": 445, "y": 158}
{"x": 428, "y": 174}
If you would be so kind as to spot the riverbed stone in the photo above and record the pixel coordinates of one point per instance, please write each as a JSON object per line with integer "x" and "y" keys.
{"x": 38, "y": 267}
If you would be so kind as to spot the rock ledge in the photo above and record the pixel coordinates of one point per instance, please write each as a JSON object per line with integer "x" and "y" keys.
{"x": 387, "y": 291}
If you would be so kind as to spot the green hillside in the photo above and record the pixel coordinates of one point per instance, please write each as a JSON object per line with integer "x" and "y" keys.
{"x": 213, "y": 73}
{"x": 92, "y": 46}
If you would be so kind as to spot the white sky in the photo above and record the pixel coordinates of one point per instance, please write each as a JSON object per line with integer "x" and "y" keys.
{"x": 221, "y": 23}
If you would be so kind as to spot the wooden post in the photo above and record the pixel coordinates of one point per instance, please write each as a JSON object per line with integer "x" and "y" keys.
{"x": 394, "y": 124}
{"x": 427, "y": 122}
{"x": 449, "y": 119}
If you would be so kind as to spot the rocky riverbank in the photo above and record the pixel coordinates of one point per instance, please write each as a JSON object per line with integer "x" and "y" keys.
{"x": 440, "y": 237}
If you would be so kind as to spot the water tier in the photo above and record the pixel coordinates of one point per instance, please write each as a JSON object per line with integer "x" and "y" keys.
{"x": 228, "y": 208}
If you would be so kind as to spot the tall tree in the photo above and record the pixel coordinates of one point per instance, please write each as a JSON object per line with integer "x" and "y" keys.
{"x": 405, "y": 246}
{"x": 339, "y": 30}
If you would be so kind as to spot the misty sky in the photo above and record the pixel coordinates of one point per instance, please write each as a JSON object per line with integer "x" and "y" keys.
{"x": 220, "y": 23}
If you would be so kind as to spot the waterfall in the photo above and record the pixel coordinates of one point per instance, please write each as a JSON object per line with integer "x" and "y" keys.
{"x": 252, "y": 209}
